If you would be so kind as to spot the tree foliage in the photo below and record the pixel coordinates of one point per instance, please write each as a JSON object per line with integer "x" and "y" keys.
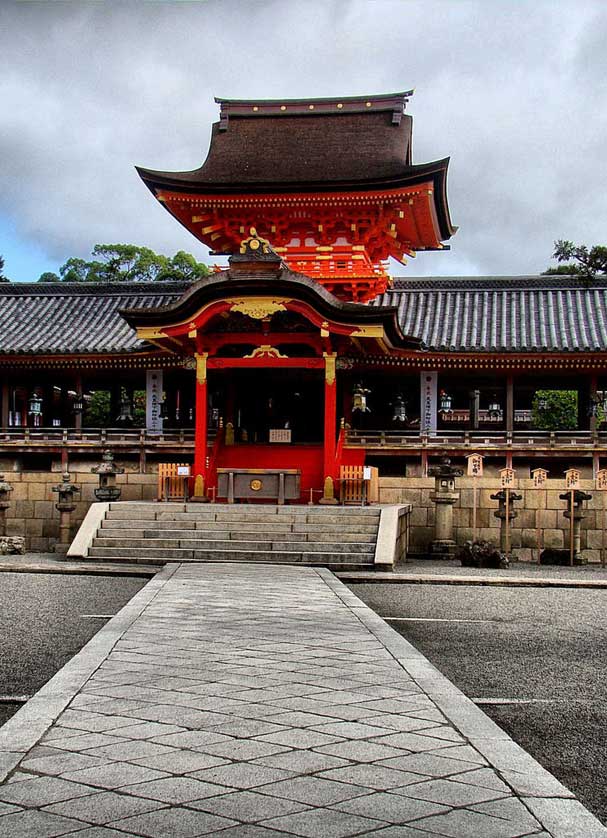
{"x": 587, "y": 262}
{"x": 3, "y": 278}
{"x": 128, "y": 263}
{"x": 555, "y": 410}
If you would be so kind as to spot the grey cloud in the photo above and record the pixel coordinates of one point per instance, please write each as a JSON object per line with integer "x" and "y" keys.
{"x": 513, "y": 91}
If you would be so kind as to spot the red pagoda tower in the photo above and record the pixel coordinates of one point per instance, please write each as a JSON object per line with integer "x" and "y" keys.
{"x": 328, "y": 182}
{"x": 309, "y": 198}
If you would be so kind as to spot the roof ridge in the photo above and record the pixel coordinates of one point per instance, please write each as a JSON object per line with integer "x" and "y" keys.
{"x": 531, "y": 281}
{"x": 53, "y": 289}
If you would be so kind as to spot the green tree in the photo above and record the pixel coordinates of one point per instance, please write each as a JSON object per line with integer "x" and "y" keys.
{"x": 129, "y": 263}
{"x": 555, "y": 410}
{"x": 49, "y": 276}
{"x": 3, "y": 278}
{"x": 587, "y": 262}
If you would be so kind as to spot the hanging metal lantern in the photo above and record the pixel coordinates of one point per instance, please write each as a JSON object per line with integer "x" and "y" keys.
{"x": 125, "y": 417}
{"x": 78, "y": 403}
{"x": 163, "y": 407}
{"x": 593, "y": 406}
{"x": 446, "y": 402}
{"x": 399, "y": 409}
{"x": 495, "y": 409}
{"x": 359, "y": 399}
{"x": 35, "y": 405}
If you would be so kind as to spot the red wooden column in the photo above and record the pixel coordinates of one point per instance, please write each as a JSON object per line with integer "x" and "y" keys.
{"x": 200, "y": 428}
{"x": 329, "y": 432}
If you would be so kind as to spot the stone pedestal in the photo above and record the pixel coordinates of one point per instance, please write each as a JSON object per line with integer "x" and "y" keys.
{"x": 501, "y": 514}
{"x": 578, "y": 516}
{"x": 444, "y": 496}
{"x": 65, "y": 506}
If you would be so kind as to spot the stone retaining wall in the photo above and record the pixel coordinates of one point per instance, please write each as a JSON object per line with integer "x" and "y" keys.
{"x": 32, "y": 510}
{"x": 540, "y": 509}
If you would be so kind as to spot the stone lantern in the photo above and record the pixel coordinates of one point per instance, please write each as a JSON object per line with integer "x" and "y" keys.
{"x": 500, "y": 513}
{"x": 576, "y": 498}
{"x": 66, "y": 505}
{"x": 107, "y": 471}
{"x": 5, "y": 490}
{"x": 444, "y": 496}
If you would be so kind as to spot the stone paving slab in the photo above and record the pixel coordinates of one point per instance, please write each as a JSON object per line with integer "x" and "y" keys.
{"x": 247, "y": 701}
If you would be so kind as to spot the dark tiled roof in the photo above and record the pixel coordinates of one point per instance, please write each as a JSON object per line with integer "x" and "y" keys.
{"x": 503, "y": 314}
{"x": 310, "y": 145}
{"x": 482, "y": 314}
{"x": 73, "y": 318}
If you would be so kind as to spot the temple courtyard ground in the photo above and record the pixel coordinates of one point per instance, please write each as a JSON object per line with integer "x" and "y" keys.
{"x": 307, "y": 715}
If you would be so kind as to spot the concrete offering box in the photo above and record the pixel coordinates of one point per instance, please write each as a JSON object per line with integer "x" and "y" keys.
{"x": 258, "y": 484}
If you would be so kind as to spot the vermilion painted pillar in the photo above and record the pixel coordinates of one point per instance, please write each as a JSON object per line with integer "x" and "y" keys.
{"x": 200, "y": 428}
{"x": 329, "y": 429}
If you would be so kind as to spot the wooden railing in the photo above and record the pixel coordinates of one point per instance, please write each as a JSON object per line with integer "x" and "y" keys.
{"x": 95, "y": 437}
{"x": 476, "y": 439}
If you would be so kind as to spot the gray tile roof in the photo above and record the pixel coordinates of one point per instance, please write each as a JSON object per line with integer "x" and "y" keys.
{"x": 483, "y": 314}
{"x": 73, "y": 318}
{"x": 504, "y": 314}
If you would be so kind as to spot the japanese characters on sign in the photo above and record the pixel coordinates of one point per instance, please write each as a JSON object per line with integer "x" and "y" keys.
{"x": 572, "y": 478}
{"x": 475, "y": 465}
{"x": 539, "y": 475}
{"x": 507, "y": 478}
{"x": 601, "y": 479}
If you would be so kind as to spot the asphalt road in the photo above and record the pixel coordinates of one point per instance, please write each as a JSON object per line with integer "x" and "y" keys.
{"x": 545, "y": 647}
{"x": 44, "y": 622}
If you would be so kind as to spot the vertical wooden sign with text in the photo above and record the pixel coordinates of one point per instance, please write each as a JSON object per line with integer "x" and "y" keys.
{"x": 539, "y": 477}
{"x": 507, "y": 483}
{"x": 475, "y": 469}
{"x": 572, "y": 482}
{"x": 601, "y": 486}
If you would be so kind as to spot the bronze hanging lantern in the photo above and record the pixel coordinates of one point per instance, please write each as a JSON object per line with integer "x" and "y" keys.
{"x": 399, "y": 406}
{"x": 125, "y": 416}
{"x": 35, "y": 408}
{"x": 494, "y": 409}
{"x": 359, "y": 399}
{"x": 446, "y": 402}
{"x": 78, "y": 404}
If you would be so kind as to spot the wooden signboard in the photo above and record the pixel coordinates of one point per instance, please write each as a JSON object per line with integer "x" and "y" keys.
{"x": 601, "y": 486}
{"x": 572, "y": 482}
{"x": 475, "y": 469}
{"x": 539, "y": 477}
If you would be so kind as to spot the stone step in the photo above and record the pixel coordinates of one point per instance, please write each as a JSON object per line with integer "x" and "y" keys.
{"x": 171, "y": 545}
{"x": 246, "y": 532}
{"x": 151, "y": 556}
{"x": 254, "y": 509}
{"x": 341, "y": 563}
{"x": 336, "y": 519}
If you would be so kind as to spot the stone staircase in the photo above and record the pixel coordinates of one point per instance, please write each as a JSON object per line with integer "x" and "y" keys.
{"x": 341, "y": 538}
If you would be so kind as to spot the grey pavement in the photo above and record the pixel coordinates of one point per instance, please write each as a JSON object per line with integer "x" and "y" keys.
{"x": 246, "y": 700}
{"x": 519, "y": 574}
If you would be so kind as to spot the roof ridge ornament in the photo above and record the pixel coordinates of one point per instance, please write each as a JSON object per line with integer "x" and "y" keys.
{"x": 255, "y": 254}
{"x": 256, "y": 247}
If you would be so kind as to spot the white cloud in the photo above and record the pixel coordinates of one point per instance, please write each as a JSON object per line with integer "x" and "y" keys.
{"x": 513, "y": 91}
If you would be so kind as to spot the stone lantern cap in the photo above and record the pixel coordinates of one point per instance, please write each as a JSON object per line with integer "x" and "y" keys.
{"x": 107, "y": 465}
{"x": 445, "y": 469}
{"x": 4, "y": 486}
{"x": 66, "y": 487}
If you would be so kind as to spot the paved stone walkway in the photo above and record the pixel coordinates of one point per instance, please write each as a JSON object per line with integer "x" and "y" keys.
{"x": 253, "y": 701}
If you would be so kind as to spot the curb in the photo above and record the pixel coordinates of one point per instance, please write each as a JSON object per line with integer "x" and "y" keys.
{"x": 25, "y": 729}
{"x": 550, "y": 801}
{"x": 78, "y": 569}
{"x": 496, "y": 581}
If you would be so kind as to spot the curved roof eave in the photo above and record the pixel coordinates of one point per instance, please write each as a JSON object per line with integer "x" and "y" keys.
{"x": 286, "y": 283}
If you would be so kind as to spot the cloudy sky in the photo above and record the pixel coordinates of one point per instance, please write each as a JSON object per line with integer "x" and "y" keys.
{"x": 514, "y": 91}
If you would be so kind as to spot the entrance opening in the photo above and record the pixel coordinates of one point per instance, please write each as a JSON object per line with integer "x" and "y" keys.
{"x": 266, "y": 400}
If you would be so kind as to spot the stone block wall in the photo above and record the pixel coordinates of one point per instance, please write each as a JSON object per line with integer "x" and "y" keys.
{"x": 32, "y": 511}
{"x": 540, "y": 521}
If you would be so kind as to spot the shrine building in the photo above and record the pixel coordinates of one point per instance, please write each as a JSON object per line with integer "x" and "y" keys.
{"x": 303, "y": 353}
